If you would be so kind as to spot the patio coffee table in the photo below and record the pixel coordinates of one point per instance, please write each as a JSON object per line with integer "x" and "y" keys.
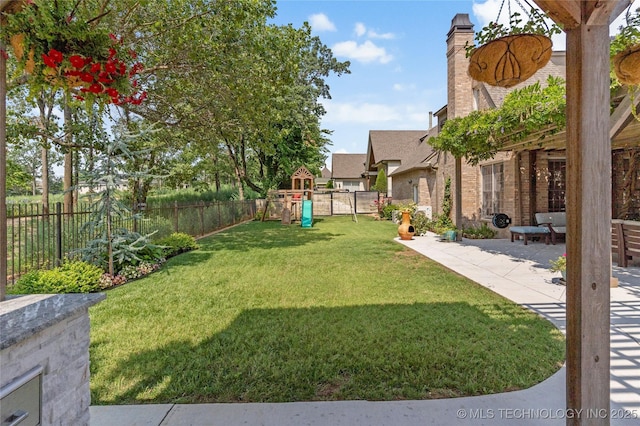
{"x": 527, "y": 232}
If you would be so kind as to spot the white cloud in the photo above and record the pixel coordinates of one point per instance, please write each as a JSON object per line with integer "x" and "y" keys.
{"x": 361, "y": 113}
{"x": 321, "y": 22}
{"x": 360, "y": 30}
{"x": 384, "y": 36}
{"x": 377, "y": 115}
{"x": 398, "y": 87}
{"x": 365, "y": 52}
{"x": 488, "y": 11}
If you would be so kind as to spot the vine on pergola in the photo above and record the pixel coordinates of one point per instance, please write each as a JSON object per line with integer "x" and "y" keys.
{"x": 480, "y": 135}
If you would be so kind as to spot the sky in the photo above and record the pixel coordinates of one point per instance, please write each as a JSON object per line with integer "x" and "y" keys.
{"x": 397, "y": 50}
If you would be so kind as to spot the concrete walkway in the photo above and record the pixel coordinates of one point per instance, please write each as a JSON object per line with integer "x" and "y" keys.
{"x": 515, "y": 271}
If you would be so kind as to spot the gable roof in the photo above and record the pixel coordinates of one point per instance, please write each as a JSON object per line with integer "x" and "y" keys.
{"x": 392, "y": 145}
{"x": 347, "y": 166}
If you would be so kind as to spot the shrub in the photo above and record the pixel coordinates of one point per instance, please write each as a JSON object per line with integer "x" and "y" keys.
{"x": 420, "y": 223}
{"x": 387, "y": 211}
{"x": 71, "y": 277}
{"x": 479, "y": 232}
{"x": 129, "y": 248}
{"x": 177, "y": 243}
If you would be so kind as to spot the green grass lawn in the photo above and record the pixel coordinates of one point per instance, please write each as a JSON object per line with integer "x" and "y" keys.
{"x": 265, "y": 312}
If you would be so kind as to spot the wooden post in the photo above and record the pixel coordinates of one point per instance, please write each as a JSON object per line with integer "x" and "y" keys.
{"x": 589, "y": 224}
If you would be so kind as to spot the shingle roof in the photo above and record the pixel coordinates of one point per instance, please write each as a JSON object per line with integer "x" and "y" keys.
{"x": 555, "y": 67}
{"x": 388, "y": 145}
{"x": 347, "y": 166}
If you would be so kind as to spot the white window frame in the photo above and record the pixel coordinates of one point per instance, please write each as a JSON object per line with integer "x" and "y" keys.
{"x": 492, "y": 189}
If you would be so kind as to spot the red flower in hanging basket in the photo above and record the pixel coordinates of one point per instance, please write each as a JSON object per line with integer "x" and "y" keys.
{"x": 77, "y": 61}
{"x": 95, "y": 88}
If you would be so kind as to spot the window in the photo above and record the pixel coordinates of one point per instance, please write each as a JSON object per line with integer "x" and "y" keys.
{"x": 557, "y": 185}
{"x": 492, "y": 189}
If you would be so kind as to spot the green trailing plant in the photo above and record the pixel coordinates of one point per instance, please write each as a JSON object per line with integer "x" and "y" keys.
{"x": 536, "y": 24}
{"x": 479, "y": 135}
{"x": 627, "y": 37}
{"x": 447, "y": 201}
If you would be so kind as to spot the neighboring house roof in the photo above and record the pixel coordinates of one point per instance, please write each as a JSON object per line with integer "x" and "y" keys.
{"x": 392, "y": 145}
{"x": 326, "y": 173}
{"x": 348, "y": 166}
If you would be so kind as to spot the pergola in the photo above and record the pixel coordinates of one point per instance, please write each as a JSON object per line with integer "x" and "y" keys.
{"x": 586, "y": 23}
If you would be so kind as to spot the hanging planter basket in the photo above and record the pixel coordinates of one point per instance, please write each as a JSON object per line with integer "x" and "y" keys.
{"x": 626, "y": 65}
{"x": 510, "y": 60}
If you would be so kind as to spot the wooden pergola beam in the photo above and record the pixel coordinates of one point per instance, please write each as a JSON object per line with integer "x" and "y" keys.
{"x": 564, "y": 13}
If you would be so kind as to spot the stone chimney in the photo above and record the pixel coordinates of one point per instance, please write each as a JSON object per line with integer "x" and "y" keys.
{"x": 459, "y": 83}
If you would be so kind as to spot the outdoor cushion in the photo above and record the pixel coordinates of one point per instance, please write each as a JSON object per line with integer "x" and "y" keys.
{"x": 525, "y": 231}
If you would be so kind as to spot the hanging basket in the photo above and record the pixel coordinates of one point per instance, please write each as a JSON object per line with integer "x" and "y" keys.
{"x": 626, "y": 65}
{"x": 510, "y": 60}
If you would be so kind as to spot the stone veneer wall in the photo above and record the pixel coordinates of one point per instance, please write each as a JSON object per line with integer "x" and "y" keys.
{"x": 51, "y": 331}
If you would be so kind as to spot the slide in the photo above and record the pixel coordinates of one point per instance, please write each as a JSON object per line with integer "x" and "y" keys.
{"x": 307, "y": 214}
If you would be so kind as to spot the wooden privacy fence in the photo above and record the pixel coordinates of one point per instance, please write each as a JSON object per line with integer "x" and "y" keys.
{"x": 329, "y": 203}
{"x": 39, "y": 238}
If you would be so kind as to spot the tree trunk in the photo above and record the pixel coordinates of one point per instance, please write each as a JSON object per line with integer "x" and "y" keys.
{"x": 68, "y": 161}
{"x": 44, "y": 156}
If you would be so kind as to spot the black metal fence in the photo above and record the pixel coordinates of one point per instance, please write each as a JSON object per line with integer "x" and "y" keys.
{"x": 39, "y": 238}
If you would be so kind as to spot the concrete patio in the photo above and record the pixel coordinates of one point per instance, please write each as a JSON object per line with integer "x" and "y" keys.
{"x": 515, "y": 271}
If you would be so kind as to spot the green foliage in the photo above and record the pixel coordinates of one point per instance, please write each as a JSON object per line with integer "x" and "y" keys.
{"x": 18, "y": 180}
{"x": 479, "y": 135}
{"x": 177, "y": 243}
{"x": 479, "y": 232}
{"x": 329, "y": 184}
{"x": 421, "y": 223}
{"x": 71, "y": 277}
{"x": 447, "y": 200}
{"x": 159, "y": 197}
{"x": 628, "y": 34}
{"x": 536, "y": 24}
{"x": 559, "y": 264}
{"x": 381, "y": 182}
{"x": 387, "y": 211}
{"x": 117, "y": 246}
